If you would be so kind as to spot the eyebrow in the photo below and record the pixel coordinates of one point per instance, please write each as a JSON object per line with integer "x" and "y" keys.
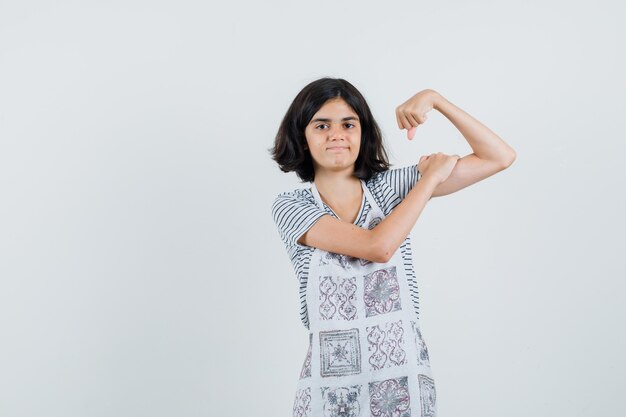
{"x": 321, "y": 119}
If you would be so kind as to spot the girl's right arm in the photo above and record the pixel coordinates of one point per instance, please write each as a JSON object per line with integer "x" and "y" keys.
{"x": 393, "y": 230}
{"x": 380, "y": 243}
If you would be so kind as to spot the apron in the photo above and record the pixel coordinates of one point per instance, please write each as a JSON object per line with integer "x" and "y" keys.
{"x": 366, "y": 355}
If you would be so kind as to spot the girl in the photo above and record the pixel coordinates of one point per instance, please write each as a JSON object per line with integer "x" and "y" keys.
{"x": 348, "y": 239}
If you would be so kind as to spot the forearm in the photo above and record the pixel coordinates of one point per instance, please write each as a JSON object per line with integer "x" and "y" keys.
{"x": 394, "y": 229}
{"x": 484, "y": 142}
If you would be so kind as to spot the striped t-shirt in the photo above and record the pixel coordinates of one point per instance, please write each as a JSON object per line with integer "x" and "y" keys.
{"x": 294, "y": 213}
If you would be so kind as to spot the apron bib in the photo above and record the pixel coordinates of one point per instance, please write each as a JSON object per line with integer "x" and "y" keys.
{"x": 366, "y": 354}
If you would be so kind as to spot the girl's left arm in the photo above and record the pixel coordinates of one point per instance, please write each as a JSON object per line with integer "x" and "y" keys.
{"x": 491, "y": 153}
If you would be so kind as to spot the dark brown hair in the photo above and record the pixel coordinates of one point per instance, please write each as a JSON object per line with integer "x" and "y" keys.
{"x": 289, "y": 149}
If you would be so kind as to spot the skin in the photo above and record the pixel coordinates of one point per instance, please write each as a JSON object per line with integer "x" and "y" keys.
{"x": 441, "y": 174}
{"x": 334, "y": 178}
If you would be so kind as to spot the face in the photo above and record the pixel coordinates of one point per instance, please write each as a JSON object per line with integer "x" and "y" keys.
{"x": 334, "y": 136}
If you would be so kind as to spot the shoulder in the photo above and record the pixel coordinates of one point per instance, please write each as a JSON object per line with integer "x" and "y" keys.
{"x": 390, "y": 187}
{"x": 296, "y": 197}
{"x": 397, "y": 179}
{"x": 298, "y": 193}
{"x": 408, "y": 172}
{"x": 294, "y": 212}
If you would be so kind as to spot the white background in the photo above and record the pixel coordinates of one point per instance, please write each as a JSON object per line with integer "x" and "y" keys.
{"x": 141, "y": 273}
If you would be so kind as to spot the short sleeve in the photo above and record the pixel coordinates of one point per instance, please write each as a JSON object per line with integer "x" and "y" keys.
{"x": 401, "y": 180}
{"x": 294, "y": 215}
{"x": 390, "y": 187}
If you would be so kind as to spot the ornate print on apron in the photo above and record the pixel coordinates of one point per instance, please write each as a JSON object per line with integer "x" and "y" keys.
{"x": 366, "y": 355}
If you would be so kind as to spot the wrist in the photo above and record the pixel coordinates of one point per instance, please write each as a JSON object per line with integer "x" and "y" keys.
{"x": 438, "y": 100}
{"x": 431, "y": 180}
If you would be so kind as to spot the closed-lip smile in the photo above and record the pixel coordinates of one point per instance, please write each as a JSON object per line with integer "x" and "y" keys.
{"x": 337, "y": 147}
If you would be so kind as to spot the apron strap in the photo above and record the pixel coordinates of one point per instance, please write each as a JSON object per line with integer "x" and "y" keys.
{"x": 368, "y": 196}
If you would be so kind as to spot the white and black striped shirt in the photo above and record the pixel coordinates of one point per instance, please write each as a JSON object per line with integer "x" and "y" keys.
{"x": 294, "y": 212}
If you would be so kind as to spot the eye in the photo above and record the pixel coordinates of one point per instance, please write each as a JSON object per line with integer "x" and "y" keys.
{"x": 318, "y": 126}
{"x": 350, "y": 124}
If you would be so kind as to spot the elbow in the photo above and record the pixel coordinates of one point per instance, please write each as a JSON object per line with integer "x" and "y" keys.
{"x": 383, "y": 253}
{"x": 378, "y": 248}
{"x": 508, "y": 161}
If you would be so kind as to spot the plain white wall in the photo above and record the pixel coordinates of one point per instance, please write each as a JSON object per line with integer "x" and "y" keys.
{"x": 141, "y": 273}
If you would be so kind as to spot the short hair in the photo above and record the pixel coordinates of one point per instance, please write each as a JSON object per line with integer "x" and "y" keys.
{"x": 289, "y": 149}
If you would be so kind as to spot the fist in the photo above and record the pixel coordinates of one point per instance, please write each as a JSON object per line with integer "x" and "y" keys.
{"x": 438, "y": 165}
{"x": 414, "y": 111}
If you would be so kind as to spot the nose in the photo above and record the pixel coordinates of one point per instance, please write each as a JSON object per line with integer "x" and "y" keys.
{"x": 335, "y": 132}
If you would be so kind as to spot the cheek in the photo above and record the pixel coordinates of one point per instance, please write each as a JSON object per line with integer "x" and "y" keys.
{"x": 311, "y": 135}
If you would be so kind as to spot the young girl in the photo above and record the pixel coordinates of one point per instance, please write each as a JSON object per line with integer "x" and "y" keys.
{"x": 348, "y": 240}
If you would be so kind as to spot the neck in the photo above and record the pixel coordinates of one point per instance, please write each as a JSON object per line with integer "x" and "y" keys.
{"x": 338, "y": 185}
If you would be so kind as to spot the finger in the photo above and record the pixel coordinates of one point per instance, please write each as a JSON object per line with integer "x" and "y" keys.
{"x": 398, "y": 119}
{"x": 408, "y": 123}
{"x": 413, "y": 119}
{"x": 405, "y": 122}
{"x": 411, "y": 133}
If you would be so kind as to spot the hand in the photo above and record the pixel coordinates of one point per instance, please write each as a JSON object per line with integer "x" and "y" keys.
{"x": 412, "y": 112}
{"x": 438, "y": 165}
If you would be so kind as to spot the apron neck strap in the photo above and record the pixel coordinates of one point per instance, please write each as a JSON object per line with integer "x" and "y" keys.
{"x": 368, "y": 195}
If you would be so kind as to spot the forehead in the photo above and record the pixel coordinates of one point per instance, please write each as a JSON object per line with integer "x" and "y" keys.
{"x": 335, "y": 107}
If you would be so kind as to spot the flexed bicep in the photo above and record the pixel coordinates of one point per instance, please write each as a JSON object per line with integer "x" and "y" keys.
{"x": 468, "y": 170}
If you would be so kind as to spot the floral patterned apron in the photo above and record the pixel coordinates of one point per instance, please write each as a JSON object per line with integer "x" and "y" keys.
{"x": 366, "y": 354}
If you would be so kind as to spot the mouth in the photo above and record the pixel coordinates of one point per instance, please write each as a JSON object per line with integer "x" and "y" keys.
{"x": 336, "y": 148}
